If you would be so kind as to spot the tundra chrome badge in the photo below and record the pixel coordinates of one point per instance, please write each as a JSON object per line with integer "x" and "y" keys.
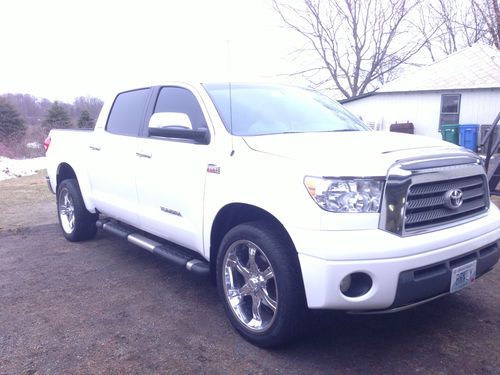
{"x": 170, "y": 211}
{"x": 212, "y": 168}
{"x": 454, "y": 198}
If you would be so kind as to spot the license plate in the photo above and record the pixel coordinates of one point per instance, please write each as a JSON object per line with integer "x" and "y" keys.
{"x": 462, "y": 276}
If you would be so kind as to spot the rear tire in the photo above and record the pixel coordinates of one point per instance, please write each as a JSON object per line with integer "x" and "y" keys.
{"x": 260, "y": 283}
{"x": 76, "y": 222}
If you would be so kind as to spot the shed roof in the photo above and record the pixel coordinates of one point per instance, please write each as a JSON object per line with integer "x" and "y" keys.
{"x": 476, "y": 67}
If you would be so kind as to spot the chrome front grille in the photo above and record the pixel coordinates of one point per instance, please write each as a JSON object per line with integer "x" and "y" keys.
{"x": 419, "y": 198}
{"x": 426, "y": 203}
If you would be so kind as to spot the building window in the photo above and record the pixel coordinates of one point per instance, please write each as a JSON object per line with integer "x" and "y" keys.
{"x": 450, "y": 109}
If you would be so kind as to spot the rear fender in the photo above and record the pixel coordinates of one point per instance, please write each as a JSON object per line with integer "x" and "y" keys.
{"x": 65, "y": 171}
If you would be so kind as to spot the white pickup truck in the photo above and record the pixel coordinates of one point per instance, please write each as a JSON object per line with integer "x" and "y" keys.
{"x": 282, "y": 195}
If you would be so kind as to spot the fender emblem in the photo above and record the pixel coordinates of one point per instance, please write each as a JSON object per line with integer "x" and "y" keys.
{"x": 212, "y": 168}
{"x": 170, "y": 211}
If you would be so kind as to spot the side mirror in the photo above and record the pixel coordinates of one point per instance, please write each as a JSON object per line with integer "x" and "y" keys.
{"x": 176, "y": 125}
{"x": 166, "y": 119}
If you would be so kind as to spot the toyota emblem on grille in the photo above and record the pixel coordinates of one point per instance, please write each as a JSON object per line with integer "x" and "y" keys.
{"x": 454, "y": 198}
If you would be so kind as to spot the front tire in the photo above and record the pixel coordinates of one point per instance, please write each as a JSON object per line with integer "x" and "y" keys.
{"x": 76, "y": 222}
{"x": 260, "y": 283}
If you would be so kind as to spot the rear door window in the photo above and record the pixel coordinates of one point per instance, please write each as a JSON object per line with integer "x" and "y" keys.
{"x": 127, "y": 114}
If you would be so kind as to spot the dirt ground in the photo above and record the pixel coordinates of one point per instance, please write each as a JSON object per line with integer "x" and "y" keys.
{"x": 107, "y": 307}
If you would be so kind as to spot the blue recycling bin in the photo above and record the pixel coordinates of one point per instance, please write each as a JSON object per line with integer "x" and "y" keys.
{"x": 468, "y": 136}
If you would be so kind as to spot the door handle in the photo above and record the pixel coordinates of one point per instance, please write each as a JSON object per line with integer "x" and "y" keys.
{"x": 94, "y": 148}
{"x": 144, "y": 155}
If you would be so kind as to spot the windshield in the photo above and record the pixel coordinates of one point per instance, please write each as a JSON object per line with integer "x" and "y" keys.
{"x": 258, "y": 110}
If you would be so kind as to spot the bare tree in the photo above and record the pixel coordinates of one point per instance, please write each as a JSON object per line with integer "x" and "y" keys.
{"x": 360, "y": 43}
{"x": 446, "y": 16}
{"x": 86, "y": 103}
{"x": 473, "y": 26}
{"x": 456, "y": 24}
{"x": 490, "y": 14}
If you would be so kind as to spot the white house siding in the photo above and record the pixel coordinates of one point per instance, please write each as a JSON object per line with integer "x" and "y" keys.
{"x": 479, "y": 106}
{"x": 423, "y": 109}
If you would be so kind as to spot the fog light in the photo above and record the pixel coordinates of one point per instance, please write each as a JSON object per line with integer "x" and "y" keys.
{"x": 345, "y": 284}
{"x": 356, "y": 284}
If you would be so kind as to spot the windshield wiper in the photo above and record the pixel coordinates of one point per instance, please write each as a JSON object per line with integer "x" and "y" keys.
{"x": 341, "y": 130}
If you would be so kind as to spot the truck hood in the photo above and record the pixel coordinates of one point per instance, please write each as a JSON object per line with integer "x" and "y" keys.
{"x": 358, "y": 153}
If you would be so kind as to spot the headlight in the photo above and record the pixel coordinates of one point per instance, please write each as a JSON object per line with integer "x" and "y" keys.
{"x": 345, "y": 195}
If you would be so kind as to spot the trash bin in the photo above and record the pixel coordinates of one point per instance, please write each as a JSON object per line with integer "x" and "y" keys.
{"x": 450, "y": 133}
{"x": 403, "y": 127}
{"x": 468, "y": 136}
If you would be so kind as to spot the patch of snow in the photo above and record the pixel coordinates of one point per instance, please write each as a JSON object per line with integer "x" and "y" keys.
{"x": 12, "y": 168}
{"x": 34, "y": 145}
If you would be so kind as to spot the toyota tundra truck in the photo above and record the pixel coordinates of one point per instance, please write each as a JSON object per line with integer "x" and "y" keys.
{"x": 288, "y": 201}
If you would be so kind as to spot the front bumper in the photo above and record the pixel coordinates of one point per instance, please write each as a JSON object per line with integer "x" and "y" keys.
{"x": 434, "y": 280}
{"x": 420, "y": 272}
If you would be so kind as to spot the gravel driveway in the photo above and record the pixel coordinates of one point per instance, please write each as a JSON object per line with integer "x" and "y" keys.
{"x": 106, "y": 306}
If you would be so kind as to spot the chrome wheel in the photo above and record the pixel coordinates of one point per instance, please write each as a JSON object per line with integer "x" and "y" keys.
{"x": 250, "y": 285}
{"x": 67, "y": 211}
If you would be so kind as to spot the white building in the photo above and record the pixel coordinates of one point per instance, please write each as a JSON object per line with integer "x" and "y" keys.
{"x": 463, "y": 88}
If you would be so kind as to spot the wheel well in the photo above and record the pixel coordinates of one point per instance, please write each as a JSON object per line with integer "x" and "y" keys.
{"x": 64, "y": 172}
{"x": 232, "y": 215}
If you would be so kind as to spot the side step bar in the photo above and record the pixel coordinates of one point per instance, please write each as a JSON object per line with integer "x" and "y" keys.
{"x": 172, "y": 253}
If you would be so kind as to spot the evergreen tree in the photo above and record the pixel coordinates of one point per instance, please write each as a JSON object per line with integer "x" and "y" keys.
{"x": 85, "y": 121}
{"x": 57, "y": 117}
{"x": 88, "y": 103}
{"x": 12, "y": 126}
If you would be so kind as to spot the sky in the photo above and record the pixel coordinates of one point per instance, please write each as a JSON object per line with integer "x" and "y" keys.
{"x": 63, "y": 49}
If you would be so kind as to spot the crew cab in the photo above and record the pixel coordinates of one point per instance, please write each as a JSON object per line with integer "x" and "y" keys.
{"x": 285, "y": 198}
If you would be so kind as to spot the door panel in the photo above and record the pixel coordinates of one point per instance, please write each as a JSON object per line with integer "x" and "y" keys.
{"x": 113, "y": 164}
{"x": 171, "y": 181}
{"x": 171, "y": 186}
{"x": 112, "y": 177}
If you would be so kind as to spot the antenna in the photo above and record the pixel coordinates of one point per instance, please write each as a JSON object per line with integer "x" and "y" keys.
{"x": 230, "y": 95}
